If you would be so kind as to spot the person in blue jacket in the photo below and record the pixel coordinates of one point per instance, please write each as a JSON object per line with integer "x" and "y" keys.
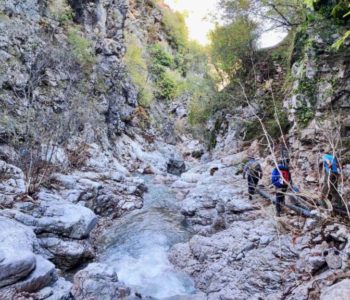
{"x": 281, "y": 179}
{"x": 331, "y": 174}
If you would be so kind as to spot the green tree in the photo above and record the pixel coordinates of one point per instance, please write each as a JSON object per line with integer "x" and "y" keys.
{"x": 232, "y": 46}
{"x": 338, "y": 10}
{"x": 275, "y": 13}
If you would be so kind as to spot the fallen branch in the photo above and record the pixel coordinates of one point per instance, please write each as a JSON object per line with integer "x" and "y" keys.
{"x": 299, "y": 210}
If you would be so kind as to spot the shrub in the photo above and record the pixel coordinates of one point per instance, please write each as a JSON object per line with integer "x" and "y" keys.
{"x": 66, "y": 17}
{"x": 202, "y": 91}
{"x": 181, "y": 62}
{"x": 340, "y": 10}
{"x": 252, "y": 129}
{"x": 81, "y": 48}
{"x": 304, "y": 116}
{"x": 160, "y": 56}
{"x": 194, "y": 59}
{"x": 199, "y": 110}
{"x": 142, "y": 117}
{"x": 274, "y": 128}
{"x": 39, "y": 135}
{"x": 5, "y": 172}
{"x": 340, "y": 42}
{"x": 168, "y": 85}
{"x": 61, "y": 11}
{"x": 78, "y": 156}
{"x": 175, "y": 26}
{"x": 137, "y": 67}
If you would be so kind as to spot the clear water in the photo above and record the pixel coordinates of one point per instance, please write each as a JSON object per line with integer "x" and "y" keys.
{"x": 138, "y": 245}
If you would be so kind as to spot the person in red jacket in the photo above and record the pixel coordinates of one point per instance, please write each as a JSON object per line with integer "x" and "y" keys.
{"x": 281, "y": 179}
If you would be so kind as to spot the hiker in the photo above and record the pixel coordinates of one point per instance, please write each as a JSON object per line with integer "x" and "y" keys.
{"x": 253, "y": 172}
{"x": 281, "y": 179}
{"x": 331, "y": 173}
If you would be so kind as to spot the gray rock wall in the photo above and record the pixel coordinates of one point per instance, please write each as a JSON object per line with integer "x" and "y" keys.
{"x": 68, "y": 68}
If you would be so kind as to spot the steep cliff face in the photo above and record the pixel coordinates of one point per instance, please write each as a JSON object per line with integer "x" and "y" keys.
{"x": 67, "y": 98}
{"x": 318, "y": 106}
{"x": 60, "y": 58}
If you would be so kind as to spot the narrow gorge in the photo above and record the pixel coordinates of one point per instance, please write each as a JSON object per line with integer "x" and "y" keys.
{"x": 123, "y": 142}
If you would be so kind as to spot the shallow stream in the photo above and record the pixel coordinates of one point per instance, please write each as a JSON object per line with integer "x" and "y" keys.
{"x": 138, "y": 244}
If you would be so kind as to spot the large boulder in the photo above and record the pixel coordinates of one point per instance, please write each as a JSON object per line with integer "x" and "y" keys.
{"x": 222, "y": 264}
{"x": 114, "y": 200}
{"x": 55, "y": 216}
{"x": 16, "y": 257}
{"x": 98, "y": 281}
{"x": 108, "y": 194}
{"x": 20, "y": 269}
{"x": 66, "y": 253}
{"x": 43, "y": 275}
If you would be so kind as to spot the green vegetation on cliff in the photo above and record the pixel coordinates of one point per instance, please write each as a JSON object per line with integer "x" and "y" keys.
{"x": 244, "y": 69}
{"x": 172, "y": 68}
{"x": 137, "y": 67}
{"x": 81, "y": 47}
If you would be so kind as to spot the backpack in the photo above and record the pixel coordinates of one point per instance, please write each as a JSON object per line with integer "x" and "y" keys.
{"x": 334, "y": 164}
{"x": 254, "y": 169}
{"x": 286, "y": 176}
{"x": 280, "y": 177}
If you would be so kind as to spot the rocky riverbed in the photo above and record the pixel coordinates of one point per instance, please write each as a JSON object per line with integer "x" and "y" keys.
{"x": 242, "y": 251}
{"x": 200, "y": 223}
{"x": 106, "y": 213}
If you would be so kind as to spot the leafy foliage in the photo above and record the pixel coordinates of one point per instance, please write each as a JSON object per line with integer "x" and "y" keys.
{"x": 81, "y": 47}
{"x": 346, "y": 35}
{"x": 169, "y": 84}
{"x": 341, "y": 41}
{"x": 232, "y": 45}
{"x": 175, "y": 25}
{"x": 304, "y": 115}
{"x": 61, "y": 11}
{"x": 309, "y": 3}
{"x": 168, "y": 80}
{"x": 339, "y": 10}
{"x": 200, "y": 86}
{"x": 161, "y": 56}
{"x": 137, "y": 67}
{"x": 276, "y": 13}
{"x": 201, "y": 105}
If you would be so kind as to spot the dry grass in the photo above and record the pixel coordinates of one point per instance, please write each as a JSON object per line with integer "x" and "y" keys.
{"x": 78, "y": 156}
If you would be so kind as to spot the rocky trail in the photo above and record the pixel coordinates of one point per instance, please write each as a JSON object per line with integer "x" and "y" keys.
{"x": 241, "y": 250}
{"x": 162, "y": 236}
